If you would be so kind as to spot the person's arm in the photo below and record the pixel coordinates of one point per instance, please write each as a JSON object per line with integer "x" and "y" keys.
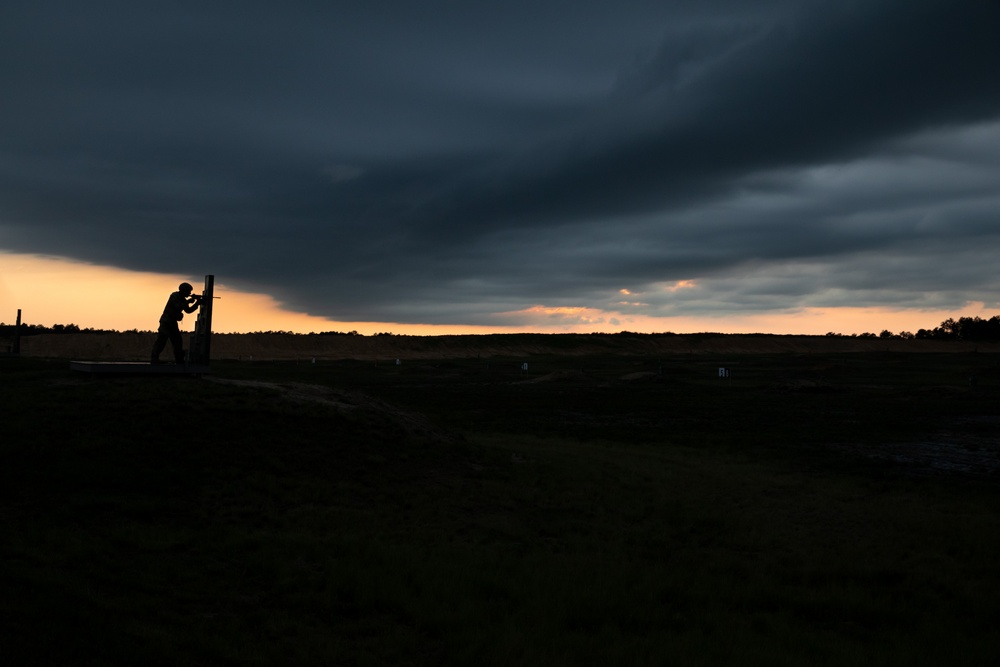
{"x": 193, "y": 304}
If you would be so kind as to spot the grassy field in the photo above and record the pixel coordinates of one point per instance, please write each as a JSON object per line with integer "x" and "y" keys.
{"x": 821, "y": 509}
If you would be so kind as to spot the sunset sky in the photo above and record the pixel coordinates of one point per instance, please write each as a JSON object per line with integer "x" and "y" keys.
{"x": 785, "y": 166}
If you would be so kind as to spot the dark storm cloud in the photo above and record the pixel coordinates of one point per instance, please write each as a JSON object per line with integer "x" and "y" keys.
{"x": 443, "y": 162}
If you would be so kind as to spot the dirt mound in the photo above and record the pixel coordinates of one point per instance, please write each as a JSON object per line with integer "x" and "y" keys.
{"x": 643, "y": 376}
{"x": 560, "y": 376}
{"x": 967, "y": 446}
{"x": 353, "y": 405}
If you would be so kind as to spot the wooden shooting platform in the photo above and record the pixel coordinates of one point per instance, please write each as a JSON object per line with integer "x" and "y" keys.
{"x": 199, "y": 349}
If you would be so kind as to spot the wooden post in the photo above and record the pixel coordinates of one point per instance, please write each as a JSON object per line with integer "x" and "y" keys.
{"x": 201, "y": 339}
{"x": 17, "y": 334}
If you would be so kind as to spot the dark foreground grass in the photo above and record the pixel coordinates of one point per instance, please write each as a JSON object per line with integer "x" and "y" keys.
{"x": 465, "y": 513}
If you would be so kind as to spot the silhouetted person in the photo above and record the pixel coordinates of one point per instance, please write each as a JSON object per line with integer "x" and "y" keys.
{"x": 180, "y": 302}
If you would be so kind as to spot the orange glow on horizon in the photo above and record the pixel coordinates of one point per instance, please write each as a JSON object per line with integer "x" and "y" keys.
{"x": 51, "y": 290}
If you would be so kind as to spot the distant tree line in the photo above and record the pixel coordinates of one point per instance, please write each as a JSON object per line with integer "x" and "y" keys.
{"x": 964, "y": 328}
{"x": 905, "y": 335}
{"x": 34, "y": 329}
{"x": 293, "y": 333}
{"x": 7, "y": 330}
{"x": 973, "y": 329}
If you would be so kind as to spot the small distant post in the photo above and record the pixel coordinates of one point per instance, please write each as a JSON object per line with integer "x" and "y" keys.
{"x": 17, "y": 334}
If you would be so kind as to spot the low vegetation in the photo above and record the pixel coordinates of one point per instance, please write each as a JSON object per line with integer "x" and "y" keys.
{"x": 820, "y": 509}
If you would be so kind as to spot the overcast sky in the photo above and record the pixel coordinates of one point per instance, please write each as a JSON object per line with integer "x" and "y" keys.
{"x": 460, "y": 162}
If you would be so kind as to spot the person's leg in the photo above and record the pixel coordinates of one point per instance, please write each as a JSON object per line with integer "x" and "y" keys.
{"x": 161, "y": 342}
{"x": 178, "y": 344}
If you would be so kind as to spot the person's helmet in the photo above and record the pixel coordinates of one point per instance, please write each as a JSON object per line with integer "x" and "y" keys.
{"x": 185, "y": 288}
